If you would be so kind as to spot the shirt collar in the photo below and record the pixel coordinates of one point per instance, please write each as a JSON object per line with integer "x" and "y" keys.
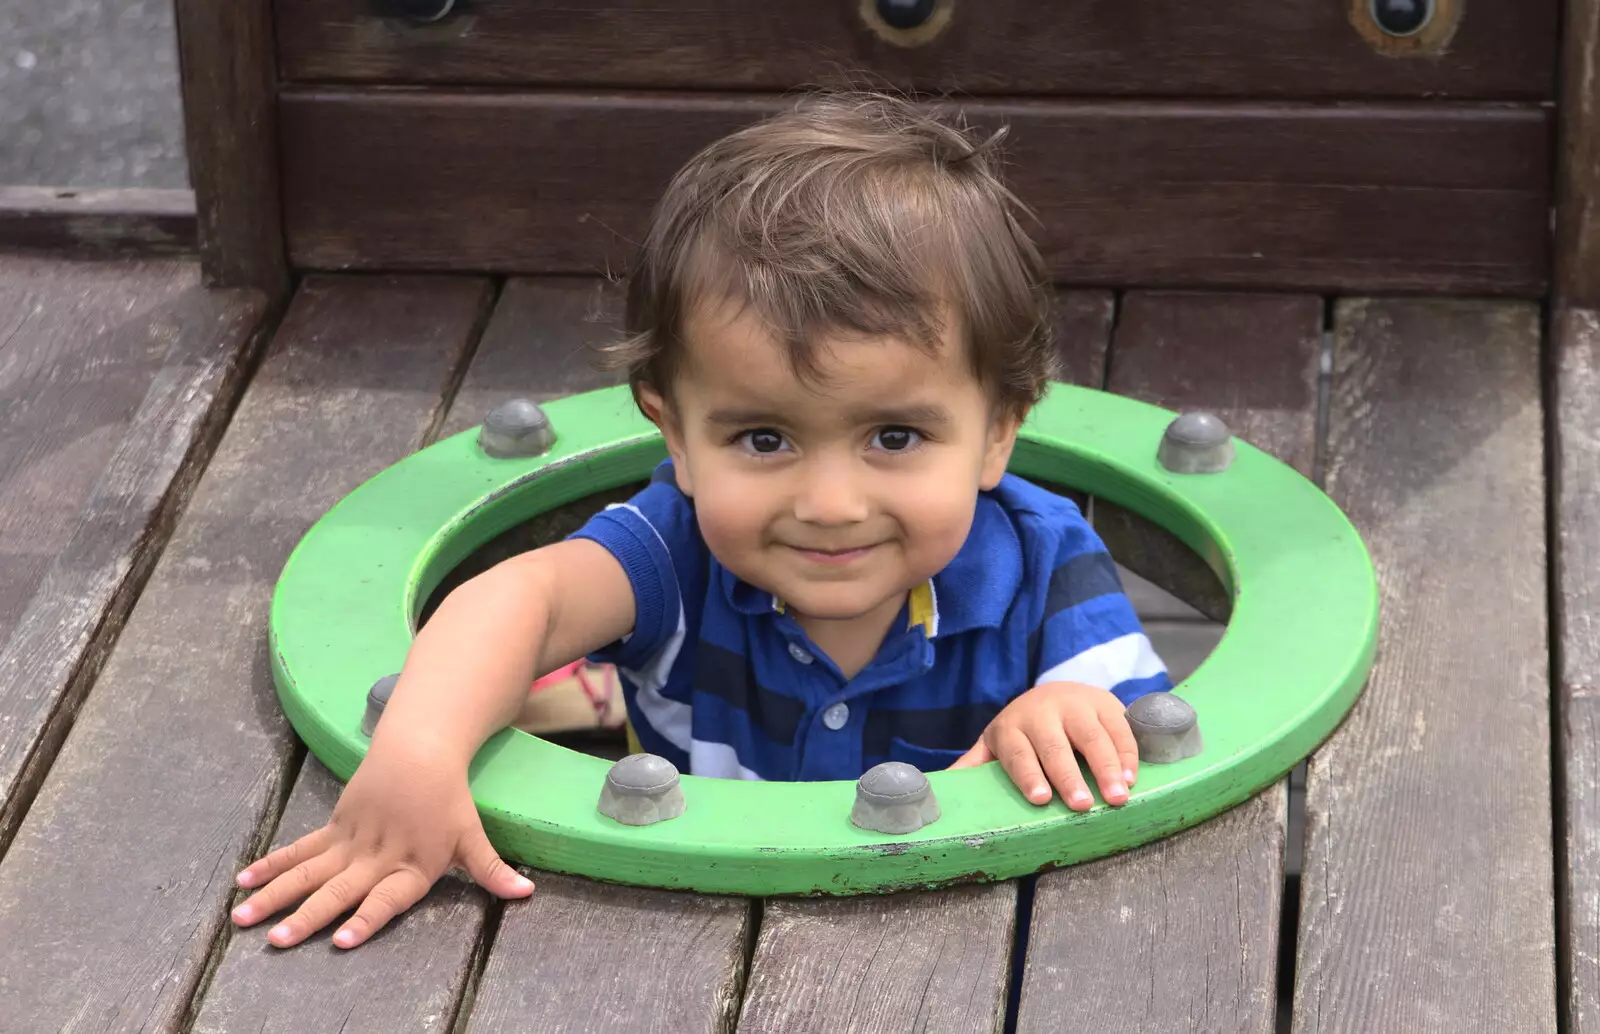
{"x": 975, "y": 590}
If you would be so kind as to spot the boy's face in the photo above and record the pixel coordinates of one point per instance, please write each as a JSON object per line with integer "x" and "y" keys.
{"x": 838, "y": 494}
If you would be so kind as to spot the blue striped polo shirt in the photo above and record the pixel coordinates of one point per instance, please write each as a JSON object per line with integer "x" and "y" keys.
{"x": 721, "y": 681}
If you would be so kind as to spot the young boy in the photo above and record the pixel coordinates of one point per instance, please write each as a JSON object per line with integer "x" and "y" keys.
{"x": 838, "y": 325}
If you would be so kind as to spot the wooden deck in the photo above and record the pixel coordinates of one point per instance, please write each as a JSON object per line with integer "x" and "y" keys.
{"x": 163, "y": 447}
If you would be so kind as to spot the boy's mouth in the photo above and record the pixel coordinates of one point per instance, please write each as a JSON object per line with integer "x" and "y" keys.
{"x": 833, "y": 557}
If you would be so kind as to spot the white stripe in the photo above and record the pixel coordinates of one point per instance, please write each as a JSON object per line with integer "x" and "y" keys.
{"x": 933, "y": 600}
{"x": 718, "y": 761}
{"x": 1104, "y": 666}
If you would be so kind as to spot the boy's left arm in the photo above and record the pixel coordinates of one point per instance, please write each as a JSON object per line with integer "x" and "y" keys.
{"x": 1093, "y": 660}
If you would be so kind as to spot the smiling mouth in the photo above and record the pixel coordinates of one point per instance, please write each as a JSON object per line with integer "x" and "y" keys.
{"x": 834, "y": 557}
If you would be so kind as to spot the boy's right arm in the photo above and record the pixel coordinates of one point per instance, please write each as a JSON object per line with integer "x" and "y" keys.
{"x": 407, "y": 815}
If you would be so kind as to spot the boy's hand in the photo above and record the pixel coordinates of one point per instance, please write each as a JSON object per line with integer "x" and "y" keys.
{"x": 1035, "y": 735}
{"x": 401, "y": 823}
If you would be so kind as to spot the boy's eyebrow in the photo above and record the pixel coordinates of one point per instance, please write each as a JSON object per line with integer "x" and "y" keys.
{"x": 925, "y": 414}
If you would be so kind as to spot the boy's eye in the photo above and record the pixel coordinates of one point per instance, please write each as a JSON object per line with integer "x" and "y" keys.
{"x": 896, "y": 439}
{"x": 763, "y": 440}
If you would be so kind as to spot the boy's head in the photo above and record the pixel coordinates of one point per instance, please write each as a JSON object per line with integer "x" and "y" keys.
{"x": 838, "y": 324}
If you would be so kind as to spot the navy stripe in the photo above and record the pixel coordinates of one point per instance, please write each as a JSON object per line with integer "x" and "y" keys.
{"x": 730, "y": 677}
{"x": 1085, "y": 577}
{"x": 942, "y": 728}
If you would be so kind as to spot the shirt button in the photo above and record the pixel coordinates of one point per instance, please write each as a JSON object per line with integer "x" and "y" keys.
{"x": 800, "y": 654}
{"x": 835, "y": 717}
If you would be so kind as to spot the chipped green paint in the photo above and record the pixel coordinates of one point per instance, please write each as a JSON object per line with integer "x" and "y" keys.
{"x": 1290, "y": 665}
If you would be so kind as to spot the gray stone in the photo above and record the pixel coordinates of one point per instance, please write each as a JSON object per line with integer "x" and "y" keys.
{"x": 1196, "y": 443}
{"x": 377, "y": 699}
{"x": 642, "y": 789}
{"x": 516, "y": 429}
{"x": 894, "y": 797}
{"x": 1165, "y": 727}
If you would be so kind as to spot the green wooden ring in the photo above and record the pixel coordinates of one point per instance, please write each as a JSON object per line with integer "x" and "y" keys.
{"x": 1295, "y": 655}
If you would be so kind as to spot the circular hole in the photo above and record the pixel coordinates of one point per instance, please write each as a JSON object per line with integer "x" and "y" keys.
{"x": 905, "y": 14}
{"x": 419, "y": 10}
{"x": 1402, "y": 17}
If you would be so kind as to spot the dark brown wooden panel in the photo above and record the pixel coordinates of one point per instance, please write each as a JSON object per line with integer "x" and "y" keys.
{"x": 1575, "y": 341}
{"x": 1182, "y": 934}
{"x": 581, "y": 956}
{"x": 1578, "y": 208}
{"x": 927, "y": 962}
{"x": 66, "y": 221}
{"x": 115, "y": 379}
{"x": 1384, "y": 198}
{"x": 230, "y": 129}
{"x": 1426, "y": 894}
{"x": 115, "y": 891}
{"x": 1309, "y": 48}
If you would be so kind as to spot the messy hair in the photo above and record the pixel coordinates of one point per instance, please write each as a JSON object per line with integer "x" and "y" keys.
{"x": 851, "y": 214}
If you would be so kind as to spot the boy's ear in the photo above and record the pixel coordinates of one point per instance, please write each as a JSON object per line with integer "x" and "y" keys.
{"x": 1002, "y": 440}
{"x": 659, "y": 412}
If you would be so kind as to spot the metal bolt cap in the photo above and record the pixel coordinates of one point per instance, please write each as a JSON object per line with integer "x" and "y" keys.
{"x": 894, "y": 797}
{"x": 515, "y": 429}
{"x": 1196, "y": 443}
{"x": 1165, "y": 727}
{"x": 377, "y": 699}
{"x": 642, "y": 789}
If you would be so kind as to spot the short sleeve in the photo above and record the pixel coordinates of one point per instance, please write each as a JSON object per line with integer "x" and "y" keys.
{"x": 655, "y": 538}
{"x": 1090, "y": 633}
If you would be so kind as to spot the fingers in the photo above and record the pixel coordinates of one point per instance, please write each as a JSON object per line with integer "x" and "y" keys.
{"x": 1019, "y": 757}
{"x": 1114, "y": 718}
{"x": 486, "y": 867}
{"x": 394, "y": 894}
{"x": 335, "y": 897}
{"x": 1088, "y": 734}
{"x": 265, "y": 870}
{"x": 978, "y": 755}
{"x": 284, "y": 890}
{"x": 1054, "y": 750}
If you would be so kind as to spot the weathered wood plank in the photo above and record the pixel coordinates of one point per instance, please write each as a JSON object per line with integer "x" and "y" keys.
{"x": 66, "y": 221}
{"x": 408, "y": 978}
{"x": 1577, "y": 258}
{"x": 228, "y": 76}
{"x": 115, "y": 890}
{"x": 1575, "y": 396}
{"x": 1252, "y": 48}
{"x": 114, "y": 383}
{"x": 1426, "y": 897}
{"x": 1420, "y": 197}
{"x": 911, "y": 961}
{"x": 1182, "y": 934}
{"x": 906, "y": 962}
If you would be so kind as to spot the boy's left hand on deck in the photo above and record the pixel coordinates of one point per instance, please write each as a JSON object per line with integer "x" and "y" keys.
{"x": 1035, "y": 736}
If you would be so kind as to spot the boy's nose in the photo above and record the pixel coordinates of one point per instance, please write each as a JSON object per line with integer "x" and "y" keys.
{"x": 831, "y": 493}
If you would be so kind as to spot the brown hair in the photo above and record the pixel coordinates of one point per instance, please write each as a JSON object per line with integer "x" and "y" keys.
{"x": 850, "y": 213}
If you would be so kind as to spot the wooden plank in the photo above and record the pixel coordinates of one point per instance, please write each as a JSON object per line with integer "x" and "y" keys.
{"x": 181, "y": 752}
{"x": 1426, "y": 898}
{"x": 1575, "y": 398}
{"x": 1423, "y": 197}
{"x": 925, "y": 961}
{"x": 1182, "y": 934}
{"x": 1251, "y": 48}
{"x": 114, "y": 383}
{"x": 68, "y": 221}
{"x": 229, "y": 82}
{"x": 903, "y": 962}
{"x": 1578, "y": 164}
{"x": 410, "y": 977}
{"x": 580, "y": 956}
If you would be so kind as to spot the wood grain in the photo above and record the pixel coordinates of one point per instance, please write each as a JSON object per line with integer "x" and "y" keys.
{"x": 1251, "y": 48}
{"x": 581, "y": 956}
{"x": 1578, "y": 163}
{"x": 63, "y": 221}
{"x": 1182, "y": 934}
{"x": 1575, "y": 398}
{"x": 114, "y": 893}
{"x": 1426, "y": 899}
{"x": 115, "y": 380}
{"x": 229, "y": 82}
{"x": 913, "y": 961}
{"x": 1424, "y": 197}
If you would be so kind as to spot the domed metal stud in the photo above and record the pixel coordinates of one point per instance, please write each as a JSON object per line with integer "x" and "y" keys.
{"x": 894, "y": 797}
{"x": 516, "y": 429}
{"x": 642, "y": 789}
{"x": 1165, "y": 728}
{"x": 377, "y": 699}
{"x": 1196, "y": 443}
